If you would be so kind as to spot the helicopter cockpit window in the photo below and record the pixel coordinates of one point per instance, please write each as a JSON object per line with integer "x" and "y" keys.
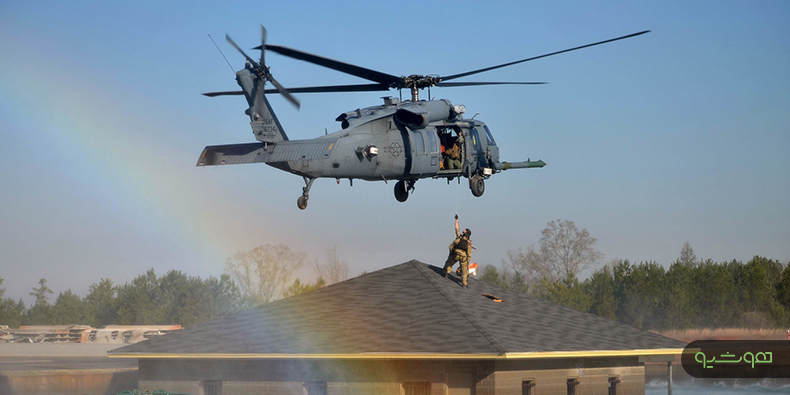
{"x": 476, "y": 139}
{"x": 432, "y": 143}
{"x": 489, "y": 136}
{"x": 419, "y": 143}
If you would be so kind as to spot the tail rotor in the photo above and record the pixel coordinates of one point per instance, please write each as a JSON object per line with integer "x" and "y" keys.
{"x": 262, "y": 71}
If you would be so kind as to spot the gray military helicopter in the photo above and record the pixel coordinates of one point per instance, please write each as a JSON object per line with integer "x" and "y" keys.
{"x": 401, "y": 141}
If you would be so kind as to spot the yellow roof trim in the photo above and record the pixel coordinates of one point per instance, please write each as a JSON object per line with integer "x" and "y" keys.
{"x": 593, "y": 353}
{"x": 516, "y": 355}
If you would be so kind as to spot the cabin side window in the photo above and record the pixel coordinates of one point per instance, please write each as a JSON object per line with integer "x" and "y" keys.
{"x": 433, "y": 144}
{"x": 419, "y": 143}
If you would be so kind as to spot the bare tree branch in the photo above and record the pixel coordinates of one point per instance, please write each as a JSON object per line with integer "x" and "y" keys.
{"x": 564, "y": 251}
{"x": 263, "y": 273}
{"x": 333, "y": 270}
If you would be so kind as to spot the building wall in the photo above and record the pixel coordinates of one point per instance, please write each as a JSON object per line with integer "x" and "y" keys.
{"x": 62, "y": 382}
{"x": 551, "y": 376}
{"x": 287, "y": 377}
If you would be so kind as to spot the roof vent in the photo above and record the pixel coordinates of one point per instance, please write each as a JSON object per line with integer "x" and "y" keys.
{"x": 494, "y": 298}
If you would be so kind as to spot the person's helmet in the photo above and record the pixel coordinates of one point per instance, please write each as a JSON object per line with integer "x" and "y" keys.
{"x": 467, "y": 233}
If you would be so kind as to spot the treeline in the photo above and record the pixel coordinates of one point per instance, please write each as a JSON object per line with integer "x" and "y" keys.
{"x": 251, "y": 278}
{"x": 173, "y": 298}
{"x": 690, "y": 294}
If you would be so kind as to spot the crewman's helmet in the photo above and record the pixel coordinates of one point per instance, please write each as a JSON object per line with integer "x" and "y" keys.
{"x": 467, "y": 233}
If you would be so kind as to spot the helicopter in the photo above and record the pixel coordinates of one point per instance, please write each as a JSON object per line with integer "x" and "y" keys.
{"x": 399, "y": 140}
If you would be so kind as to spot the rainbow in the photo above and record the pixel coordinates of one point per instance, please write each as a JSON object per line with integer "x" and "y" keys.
{"x": 62, "y": 110}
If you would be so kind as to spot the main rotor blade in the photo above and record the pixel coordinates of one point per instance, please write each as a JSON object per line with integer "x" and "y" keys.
{"x": 224, "y": 93}
{"x": 452, "y": 84}
{"x": 233, "y": 43}
{"x": 336, "y": 88}
{"x": 454, "y": 76}
{"x": 263, "y": 44}
{"x": 368, "y": 74}
{"x": 313, "y": 89}
{"x": 363, "y": 88}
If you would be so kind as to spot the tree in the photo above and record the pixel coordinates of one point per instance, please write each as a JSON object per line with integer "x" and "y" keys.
{"x": 69, "y": 309}
{"x": 527, "y": 263}
{"x": 643, "y": 295}
{"x": 297, "y": 288}
{"x": 333, "y": 270}
{"x": 508, "y": 279}
{"x": 138, "y": 301}
{"x": 184, "y": 300}
{"x": 40, "y": 313}
{"x": 567, "y": 292}
{"x": 715, "y": 294}
{"x": 491, "y": 276}
{"x": 174, "y": 298}
{"x": 42, "y": 292}
{"x": 225, "y": 295}
{"x": 783, "y": 288}
{"x": 681, "y": 310}
{"x": 757, "y": 293}
{"x": 564, "y": 252}
{"x": 687, "y": 256}
{"x": 601, "y": 287}
{"x": 11, "y": 313}
{"x": 102, "y": 303}
{"x": 263, "y": 273}
{"x": 190, "y": 300}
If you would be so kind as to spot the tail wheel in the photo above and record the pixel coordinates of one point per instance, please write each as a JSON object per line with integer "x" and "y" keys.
{"x": 301, "y": 202}
{"x": 401, "y": 191}
{"x": 478, "y": 185}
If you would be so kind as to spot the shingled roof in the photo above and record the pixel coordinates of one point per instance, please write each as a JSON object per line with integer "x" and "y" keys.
{"x": 406, "y": 311}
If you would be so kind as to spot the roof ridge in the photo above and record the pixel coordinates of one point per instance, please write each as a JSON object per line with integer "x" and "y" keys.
{"x": 472, "y": 321}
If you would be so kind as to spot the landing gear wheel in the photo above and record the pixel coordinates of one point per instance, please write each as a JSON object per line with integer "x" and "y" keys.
{"x": 301, "y": 202}
{"x": 478, "y": 185}
{"x": 401, "y": 191}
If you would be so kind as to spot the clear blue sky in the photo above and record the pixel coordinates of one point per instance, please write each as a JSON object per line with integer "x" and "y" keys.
{"x": 679, "y": 135}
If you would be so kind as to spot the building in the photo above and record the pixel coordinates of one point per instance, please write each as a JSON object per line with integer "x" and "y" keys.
{"x": 403, "y": 330}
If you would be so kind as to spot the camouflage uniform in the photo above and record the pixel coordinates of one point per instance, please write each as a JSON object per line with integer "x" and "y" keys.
{"x": 453, "y": 158}
{"x": 460, "y": 251}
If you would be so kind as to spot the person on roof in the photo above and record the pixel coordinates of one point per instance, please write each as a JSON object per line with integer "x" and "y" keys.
{"x": 460, "y": 251}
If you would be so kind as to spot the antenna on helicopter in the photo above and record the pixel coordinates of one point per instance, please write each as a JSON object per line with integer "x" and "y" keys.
{"x": 223, "y": 55}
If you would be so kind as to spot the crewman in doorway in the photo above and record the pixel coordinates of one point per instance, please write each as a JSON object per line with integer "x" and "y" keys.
{"x": 453, "y": 154}
{"x": 460, "y": 251}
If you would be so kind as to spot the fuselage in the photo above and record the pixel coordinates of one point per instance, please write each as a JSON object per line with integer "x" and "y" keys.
{"x": 397, "y": 140}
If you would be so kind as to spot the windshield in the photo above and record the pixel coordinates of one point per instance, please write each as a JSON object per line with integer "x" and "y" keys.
{"x": 489, "y": 136}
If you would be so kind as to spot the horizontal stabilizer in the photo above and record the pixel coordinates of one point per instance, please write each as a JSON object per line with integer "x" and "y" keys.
{"x": 233, "y": 154}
